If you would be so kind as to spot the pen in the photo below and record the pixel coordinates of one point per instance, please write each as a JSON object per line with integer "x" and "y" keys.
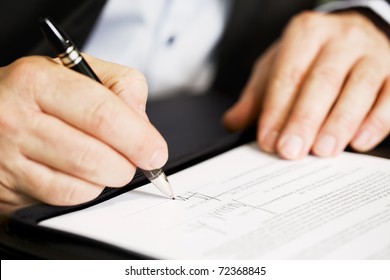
{"x": 71, "y": 58}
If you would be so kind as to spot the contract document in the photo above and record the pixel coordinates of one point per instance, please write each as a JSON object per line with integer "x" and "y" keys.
{"x": 245, "y": 204}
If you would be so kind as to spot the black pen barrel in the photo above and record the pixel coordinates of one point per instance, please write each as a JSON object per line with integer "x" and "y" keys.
{"x": 83, "y": 68}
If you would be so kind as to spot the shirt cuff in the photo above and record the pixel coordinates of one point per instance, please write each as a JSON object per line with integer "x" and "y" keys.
{"x": 379, "y": 7}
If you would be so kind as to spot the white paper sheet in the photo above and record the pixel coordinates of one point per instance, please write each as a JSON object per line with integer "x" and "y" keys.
{"x": 245, "y": 204}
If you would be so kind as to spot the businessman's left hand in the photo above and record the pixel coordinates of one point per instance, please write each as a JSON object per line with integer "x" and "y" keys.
{"x": 324, "y": 85}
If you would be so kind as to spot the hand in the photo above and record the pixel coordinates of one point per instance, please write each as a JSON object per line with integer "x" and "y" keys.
{"x": 323, "y": 86}
{"x": 63, "y": 136}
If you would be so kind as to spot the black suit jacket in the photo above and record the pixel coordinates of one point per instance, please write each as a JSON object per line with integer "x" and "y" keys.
{"x": 253, "y": 25}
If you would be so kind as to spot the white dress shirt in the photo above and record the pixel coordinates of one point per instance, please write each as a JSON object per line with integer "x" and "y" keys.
{"x": 172, "y": 41}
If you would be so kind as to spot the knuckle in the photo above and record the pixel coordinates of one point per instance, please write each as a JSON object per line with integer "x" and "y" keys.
{"x": 379, "y": 123}
{"x": 15, "y": 121}
{"x": 34, "y": 184}
{"x": 306, "y": 19}
{"x": 52, "y": 191}
{"x": 8, "y": 124}
{"x": 101, "y": 115}
{"x": 271, "y": 113}
{"x": 44, "y": 186}
{"x": 138, "y": 83}
{"x": 85, "y": 161}
{"x": 63, "y": 196}
{"x": 344, "y": 121}
{"x": 7, "y": 180}
{"x": 307, "y": 122}
{"x": 351, "y": 32}
{"x": 67, "y": 196}
{"x": 25, "y": 72}
{"x": 23, "y": 65}
{"x": 327, "y": 75}
{"x": 134, "y": 81}
{"x": 288, "y": 77}
{"x": 34, "y": 122}
{"x": 366, "y": 79}
{"x": 13, "y": 118}
{"x": 270, "y": 109}
{"x": 134, "y": 74}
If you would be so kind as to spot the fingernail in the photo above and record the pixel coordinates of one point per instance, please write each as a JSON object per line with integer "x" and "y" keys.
{"x": 159, "y": 158}
{"x": 268, "y": 141}
{"x": 291, "y": 146}
{"x": 326, "y": 145}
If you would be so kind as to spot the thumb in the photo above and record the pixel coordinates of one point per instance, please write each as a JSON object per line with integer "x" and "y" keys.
{"x": 246, "y": 110}
{"x": 127, "y": 83}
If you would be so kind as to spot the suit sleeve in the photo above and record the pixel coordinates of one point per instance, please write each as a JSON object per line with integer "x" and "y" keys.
{"x": 380, "y": 7}
{"x": 376, "y": 10}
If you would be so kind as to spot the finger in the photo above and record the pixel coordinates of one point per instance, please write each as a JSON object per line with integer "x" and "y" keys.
{"x": 96, "y": 111}
{"x": 9, "y": 208}
{"x": 53, "y": 187}
{"x": 319, "y": 91}
{"x": 127, "y": 83}
{"x": 376, "y": 126}
{"x": 246, "y": 110}
{"x": 11, "y": 197}
{"x": 56, "y": 144}
{"x": 353, "y": 105}
{"x": 299, "y": 47}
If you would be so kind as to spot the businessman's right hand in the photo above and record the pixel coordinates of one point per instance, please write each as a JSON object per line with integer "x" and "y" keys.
{"x": 64, "y": 136}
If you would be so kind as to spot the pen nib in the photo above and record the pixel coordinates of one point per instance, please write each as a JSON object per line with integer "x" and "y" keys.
{"x": 160, "y": 181}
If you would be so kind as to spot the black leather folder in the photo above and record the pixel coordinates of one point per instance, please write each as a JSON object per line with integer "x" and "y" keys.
{"x": 194, "y": 132}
